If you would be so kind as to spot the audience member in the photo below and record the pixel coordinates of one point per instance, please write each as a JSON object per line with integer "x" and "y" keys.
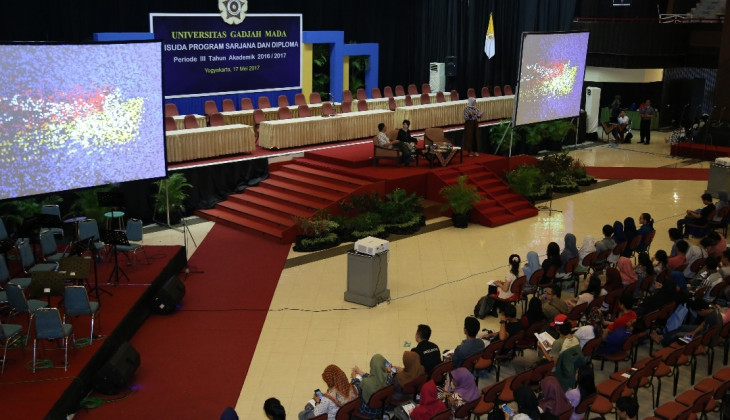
{"x": 368, "y": 383}
{"x": 384, "y": 141}
{"x": 708, "y": 277}
{"x": 553, "y": 397}
{"x": 714, "y": 244}
{"x": 585, "y": 386}
{"x": 644, "y": 268}
{"x": 613, "y": 280}
{"x": 593, "y": 328}
{"x": 551, "y": 261}
{"x": 661, "y": 261}
{"x": 509, "y": 325}
{"x": 570, "y": 251}
{"x": 562, "y": 343}
{"x": 462, "y": 389}
{"x": 471, "y": 345}
{"x": 627, "y": 408}
{"x": 664, "y": 293}
{"x": 618, "y": 232}
{"x": 412, "y": 369}
{"x": 680, "y": 259}
{"x": 693, "y": 254}
{"x": 725, "y": 264}
{"x": 647, "y": 227}
{"x": 274, "y": 410}
{"x": 626, "y": 270}
{"x": 428, "y": 404}
{"x": 339, "y": 392}
{"x": 552, "y": 304}
{"x": 613, "y": 342}
{"x": 593, "y": 290}
{"x": 527, "y": 405}
{"x": 534, "y": 312}
{"x": 675, "y": 235}
{"x": 429, "y": 352}
{"x": 722, "y": 201}
{"x": 605, "y": 244}
{"x": 626, "y": 314}
{"x": 630, "y": 232}
{"x": 697, "y": 217}
{"x": 532, "y": 265}
{"x": 710, "y": 316}
{"x": 471, "y": 127}
{"x": 589, "y": 246}
{"x": 502, "y": 289}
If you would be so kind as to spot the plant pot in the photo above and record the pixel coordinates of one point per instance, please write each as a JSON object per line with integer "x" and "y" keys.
{"x": 460, "y": 220}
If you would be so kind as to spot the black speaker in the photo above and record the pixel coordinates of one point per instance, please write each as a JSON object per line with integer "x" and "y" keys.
{"x": 451, "y": 66}
{"x": 169, "y": 296}
{"x": 114, "y": 376}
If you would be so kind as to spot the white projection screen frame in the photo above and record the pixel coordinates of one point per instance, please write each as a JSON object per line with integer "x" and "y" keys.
{"x": 552, "y": 67}
{"x": 74, "y": 116}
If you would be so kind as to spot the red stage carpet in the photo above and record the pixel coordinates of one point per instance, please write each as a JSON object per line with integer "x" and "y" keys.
{"x": 688, "y": 174}
{"x": 194, "y": 361}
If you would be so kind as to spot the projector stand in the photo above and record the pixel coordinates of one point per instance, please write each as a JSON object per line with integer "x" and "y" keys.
{"x": 511, "y": 130}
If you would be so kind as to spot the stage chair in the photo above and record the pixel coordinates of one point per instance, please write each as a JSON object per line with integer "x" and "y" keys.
{"x": 20, "y": 305}
{"x": 485, "y": 92}
{"x": 399, "y": 91}
{"x": 49, "y": 248}
{"x": 135, "y": 236}
{"x": 590, "y": 348}
{"x": 346, "y": 95}
{"x": 384, "y": 152}
{"x": 388, "y": 92}
{"x": 263, "y": 102}
{"x": 346, "y": 107}
{"x": 454, "y": 95}
{"x": 28, "y": 260}
{"x": 23, "y": 282}
{"x": 246, "y": 104}
{"x": 425, "y": 99}
{"x": 89, "y": 228}
{"x": 314, "y": 98}
{"x": 170, "y": 124}
{"x": 377, "y": 401}
{"x": 299, "y": 99}
{"x": 228, "y": 105}
{"x": 190, "y": 122}
{"x": 48, "y": 326}
{"x": 360, "y": 94}
{"x": 3, "y": 231}
{"x": 508, "y": 90}
{"x": 362, "y": 105}
{"x": 9, "y": 335}
{"x": 52, "y": 216}
{"x": 375, "y": 93}
{"x": 258, "y": 118}
{"x": 440, "y": 97}
{"x": 284, "y": 113}
{"x": 217, "y": 120}
{"x": 303, "y": 111}
{"x": 282, "y": 101}
{"x": 497, "y": 91}
{"x": 327, "y": 108}
{"x": 409, "y": 100}
{"x": 391, "y": 103}
{"x": 470, "y": 93}
{"x": 77, "y": 303}
{"x": 425, "y": 88}
{"x": 210, "y": 108}
{"x": 412, "y": 89}
{"x": 171, "y": 110}
{"x": 508, "y": 352}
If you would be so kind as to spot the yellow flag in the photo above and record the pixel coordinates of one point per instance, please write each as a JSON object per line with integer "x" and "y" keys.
{"x": 489, "y": 40}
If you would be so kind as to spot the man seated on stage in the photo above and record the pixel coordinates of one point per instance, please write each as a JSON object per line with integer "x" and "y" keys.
{"x": 697, "y": 217}
{"x": 384, "y": 141}
{"x": 623, "y": 130}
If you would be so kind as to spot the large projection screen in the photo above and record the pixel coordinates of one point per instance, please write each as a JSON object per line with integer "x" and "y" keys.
{"x": 205, "y": 56}
{"x": 77, "y": 116}
{"x": 552, "y": 67}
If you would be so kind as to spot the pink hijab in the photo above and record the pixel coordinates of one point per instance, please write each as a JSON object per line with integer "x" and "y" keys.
{"x": 553, "y": 399}
{"x": 626, "y": 269}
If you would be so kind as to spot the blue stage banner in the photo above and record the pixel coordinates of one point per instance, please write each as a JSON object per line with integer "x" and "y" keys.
{"x": 204, "y": 56}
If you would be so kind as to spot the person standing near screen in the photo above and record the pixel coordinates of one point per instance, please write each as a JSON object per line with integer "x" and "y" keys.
{"x": 647, "y": 113}
{"x": 471, "y": 127}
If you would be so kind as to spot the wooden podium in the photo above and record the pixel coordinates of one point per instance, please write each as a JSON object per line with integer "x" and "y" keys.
{"x": 367, "y": 278}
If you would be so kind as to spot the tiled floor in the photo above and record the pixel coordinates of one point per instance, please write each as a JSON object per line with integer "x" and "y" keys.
{"x": 434, "y": 278}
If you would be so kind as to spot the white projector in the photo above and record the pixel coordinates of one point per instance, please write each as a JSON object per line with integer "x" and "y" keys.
{"x": 722, "y": 161}
{"x": 371, "y": 245}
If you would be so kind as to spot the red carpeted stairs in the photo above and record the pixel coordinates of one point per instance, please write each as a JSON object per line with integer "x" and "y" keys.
{"x": 502, "y": 204}
{"x": 296, "y": 189}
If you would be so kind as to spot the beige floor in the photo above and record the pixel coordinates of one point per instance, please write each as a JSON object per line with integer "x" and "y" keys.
{"x": 434, "y": 278}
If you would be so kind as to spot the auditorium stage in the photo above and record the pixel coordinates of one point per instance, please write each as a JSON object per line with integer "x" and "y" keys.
{"x": 52, "y": 392}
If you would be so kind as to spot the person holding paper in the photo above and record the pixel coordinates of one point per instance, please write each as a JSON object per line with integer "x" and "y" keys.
{"x": 471, "y": 127}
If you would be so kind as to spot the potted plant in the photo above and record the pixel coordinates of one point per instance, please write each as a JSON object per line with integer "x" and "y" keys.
{"x": 316, "y": 232}
{"x": 528, "y": 181}
{"x": 402, "y": 213}
{"x": 461, "y": 198}
{"x": 173, "y": 193}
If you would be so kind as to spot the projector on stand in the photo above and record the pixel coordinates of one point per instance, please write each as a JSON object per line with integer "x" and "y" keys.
{"x": 371, "y": 245}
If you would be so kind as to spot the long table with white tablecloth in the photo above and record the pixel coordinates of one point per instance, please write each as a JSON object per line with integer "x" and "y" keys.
{"x": 180, "y": 121}
{"x": 198, "y": 143}
{"x": 295, "y": 132}
{"x": 452, "y": 113}
{"x": 246, "y": 116}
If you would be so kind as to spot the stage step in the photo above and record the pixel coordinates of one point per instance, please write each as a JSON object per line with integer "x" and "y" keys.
{"x": 239, "y": 221}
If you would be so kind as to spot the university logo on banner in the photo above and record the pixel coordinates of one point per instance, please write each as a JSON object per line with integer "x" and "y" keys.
{"x": 233, "y": 11}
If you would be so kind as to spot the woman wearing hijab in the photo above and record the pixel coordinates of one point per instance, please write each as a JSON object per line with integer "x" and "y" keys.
{"x": 589, "y": 246}
{"x": 527, "y": 405}
{"x": 534, "y": 312}
{"x": 412, "y": 369}
{"x": 368, "y": 383}
{"x": 553, "y": 397}
{"x": 461, "y": 390}
{"x": 532, "y": 265}
{"x": 471, "y": 127}
{"x": 570, "y": 251}
{"x": 339, "y": 391}
{"x": 630, "y": 233}
{"x": 429, "y": 404}
{"x": 627, "y": 272}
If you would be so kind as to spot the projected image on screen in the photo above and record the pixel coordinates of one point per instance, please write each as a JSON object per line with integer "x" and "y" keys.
{"x": 551, "y": 76}
{"x": 75, "y": 116}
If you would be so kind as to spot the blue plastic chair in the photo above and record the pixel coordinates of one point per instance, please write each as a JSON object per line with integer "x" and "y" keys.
{"x": 23, "y": 282}
{"x": 9, "y": 335}
{"x": 53, "y": 210}
{"x": 27, "y": 259}
{"x": 21, "y": 305}
{"x": 90, "y": 229}
{"x": 135, "y": 236}
{"x": 49, "y": 248}
{"x": 48, "y": 326}
{"x": 77, "y": 303}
